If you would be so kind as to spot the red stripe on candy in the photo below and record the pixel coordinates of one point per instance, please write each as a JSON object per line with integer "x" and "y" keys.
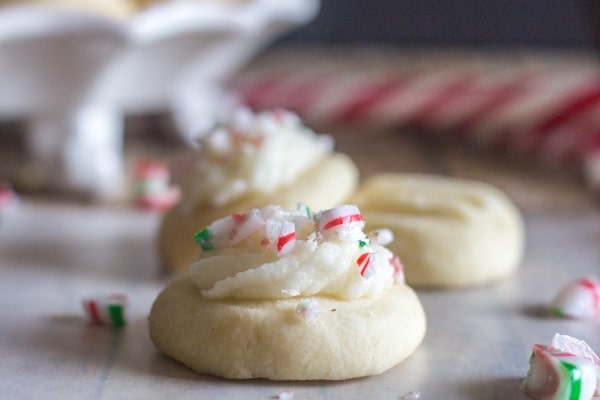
{"x": 447, "y": 95}
{"x": 580, "y": 103}
{"x": 283, "y": 240}
{"x": 363, "y": 261}
{"x": 343, "y": 220}
{"x": 594, "y": 291}
{"x": 93, "y": 307}
{"x": 373, "y": 94}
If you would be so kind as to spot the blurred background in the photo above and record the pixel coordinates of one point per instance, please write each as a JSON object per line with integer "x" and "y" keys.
{"x": 538, "y": 24}
{"x": 157, "y": 87}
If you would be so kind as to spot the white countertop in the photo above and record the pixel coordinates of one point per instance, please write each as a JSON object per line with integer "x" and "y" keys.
{"x": 51, "y": 256}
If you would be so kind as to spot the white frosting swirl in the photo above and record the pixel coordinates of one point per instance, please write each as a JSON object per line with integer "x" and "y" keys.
{"x": 253, "y": 153}
{"x": 244, "y": 257}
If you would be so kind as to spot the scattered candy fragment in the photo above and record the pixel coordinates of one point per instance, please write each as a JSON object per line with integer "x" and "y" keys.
{"x": 578, "y": 299}
{"x": 398, "y": 268}
{"x": 308, "y": 310}
{"x": 411, "y": 395}
{"x": 8, "y": 197}
{"x": 287, "y": 395}
{"x": 106, "y": 310}
{"x": 566, "y": 369}
{"x": 152, "y": 186}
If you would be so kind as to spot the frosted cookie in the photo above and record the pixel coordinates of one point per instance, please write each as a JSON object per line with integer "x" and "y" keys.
{"x": 290, "y": 296}
{"x": 565, "y": 369}
{"x": 449, "y": 232}
{"x": 251, "y": 161}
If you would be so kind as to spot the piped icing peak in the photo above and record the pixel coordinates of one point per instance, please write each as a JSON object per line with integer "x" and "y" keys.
{"x": 275, "y": 253}
{"x": 250, "y": 153}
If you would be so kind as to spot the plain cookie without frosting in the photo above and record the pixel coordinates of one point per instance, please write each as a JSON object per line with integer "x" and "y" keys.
{"x": 448, "y": 232}
{"x": 243, "y": 339}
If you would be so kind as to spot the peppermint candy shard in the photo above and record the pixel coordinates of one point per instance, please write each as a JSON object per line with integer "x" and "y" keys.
{"x": 345, "y": 221}
{"x": 365, "y": 265}
{"x": 565, "y": 369}
{"x": 579, "y": 299}
{"x": 308, "y": 310}
{"x": 204, "y": 238}
{"x": 106, "y": 310}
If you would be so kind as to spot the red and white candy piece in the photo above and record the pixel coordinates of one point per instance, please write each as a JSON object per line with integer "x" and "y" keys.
{"x": 286, "y": 395}
{"x": 365, "y": 265}
{"x": 106, "y": 310}
{"x": 566, "y": 369}
{"x": 398, "y": 268}
{"x": 578, "y": 299}
{"x": 152, "y": 186}
{"x": 281, "y": 235}
{"x": 308, "y": 310}
{"x": 7, "y": 196}
{"x": 230, "y": 230}
{"x": 345, "y": 221}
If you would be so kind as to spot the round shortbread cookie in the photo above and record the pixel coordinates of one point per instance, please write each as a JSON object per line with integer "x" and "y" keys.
{"x": 325, "y": 185}
{"x": 244, "y": 339}
{"x": 448, "y": 232}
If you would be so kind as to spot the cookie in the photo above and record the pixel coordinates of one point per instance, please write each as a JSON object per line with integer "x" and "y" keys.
{"x": 290, "y": 296}
{"x": 252, "y": 161}
{"x": 449, "y": 232}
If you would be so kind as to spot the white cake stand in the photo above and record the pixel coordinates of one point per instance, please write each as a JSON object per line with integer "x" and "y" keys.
{"x": 74, "y": 76}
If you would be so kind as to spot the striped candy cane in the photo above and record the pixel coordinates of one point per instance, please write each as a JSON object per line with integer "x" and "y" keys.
{"x": 105, "y": 310}
{"x": 542, "y": 110}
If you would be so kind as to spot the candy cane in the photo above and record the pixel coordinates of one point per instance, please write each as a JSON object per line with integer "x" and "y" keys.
{"x": 345, "y": 221}
{"x": 104, "y": 310}
{"x": 578, "y": 299}
{"x": 540, "y": 110}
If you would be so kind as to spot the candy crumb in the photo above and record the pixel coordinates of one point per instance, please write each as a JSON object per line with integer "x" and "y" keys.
{"x": 411, "y": 395}
{"x": 308, "y": 310}
{"x": 287, "y": 395}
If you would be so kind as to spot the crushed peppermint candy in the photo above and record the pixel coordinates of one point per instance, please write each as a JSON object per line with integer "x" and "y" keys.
{"x": 308, "y": 310}
{"x": 567, "y": 369}
{"x": 281, "y": 231}
{"x": 411, "y": 395}
{"x": 106, "y": 309}
{"x": 286, "y": 395}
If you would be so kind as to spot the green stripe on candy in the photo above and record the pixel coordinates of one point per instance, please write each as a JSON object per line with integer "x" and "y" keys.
{"x": 557, "y": 312}
{"x": 574, "y": 378}
{"x": 204, "y": 238}
{"x": 115, "y": 311}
